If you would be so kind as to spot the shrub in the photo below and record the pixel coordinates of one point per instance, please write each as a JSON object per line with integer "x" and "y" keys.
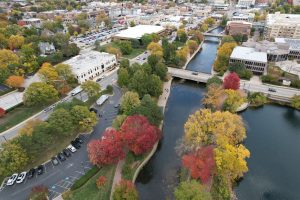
{"x": 2, "y": 112}
{"x": 80, "y": 182}
{"x": 214, "y": 80}
{"x": 101, "y": 181}
{"x": 257, "y": 99}
{"x": 125, "y": 190}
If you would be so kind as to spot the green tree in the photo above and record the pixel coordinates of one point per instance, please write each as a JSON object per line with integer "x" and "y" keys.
{"x": 191, "y": 190}
{"x": 257, "y": 99}
{"x": 132, "y": 24}
{"x": 295, "y": 102}
{"x": 40, "y": 93}
{"x": 210, "y": 21}
{"x": 181, "y": 35}
{"x": 91, "y": 88}
{"x": 220, "y": 189}
{"x": 227, "y": 38}
{"x": 61, "y": 122}
{"x": 12, "y": 158}
{"x": 214, "y": 80}
{"x": 129, "y": 101}
{"x": 146, "y": 39}
{"x": 123, "y": 77}
{"x": 64, "y": 72}
{"x": 124, "y": 63}
{"x": 118, "y": 121}
{"x": 4, "y": 74}
{"x": 125, "y": 47}
{"x": 83, "y": 118}
{"x": 160, "y": 70}
{"x": 149, "y": 109}
{"x": 153, "y": 60}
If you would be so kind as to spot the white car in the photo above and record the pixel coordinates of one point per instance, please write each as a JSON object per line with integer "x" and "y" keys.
{"x": 12, "y": 179}
{"x": 71, "y": 148}
{"x": 21, "y": 177}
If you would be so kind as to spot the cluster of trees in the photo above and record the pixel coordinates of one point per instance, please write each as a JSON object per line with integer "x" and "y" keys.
{"x": 213, "y": 152}
{"x": 283, "y": 7}
{"x": 241, "y": 70}
{"x": 257, "y": 99}
{"x": 223, "y": 55}
{"x": 20, "y": 53}
{"x": 125, "y": 190}
{"x": 224, "y": 95}
{"x": 56, "y": 81}
{"x": 207, "y": 23}
{"x": 136, "y": 134}
{"x": 37, "y": 137}
{"x": 143, "y": 79}
{"x": 295, "y": 102}
{"x": 44, "y": 5}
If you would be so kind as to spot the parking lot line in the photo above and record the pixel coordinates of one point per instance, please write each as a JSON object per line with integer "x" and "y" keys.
{"x": 79, "y": 172}
{"x": 53, "y": 194}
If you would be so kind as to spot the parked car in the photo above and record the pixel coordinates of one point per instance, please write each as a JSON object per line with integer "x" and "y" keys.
{"x": 61, "y": 157}
{"x": 71, "y": 148}
{"x": 12, "y": 179}
{"x": 21, "y": 177}
{"x": 76, "y": 144}
{"x": 93, "y": 110}
{"x": 79, "y": 140}
{"x": 30, "y": 173}
{"x": 40, "y": 170}
{"x": 66, "y": 152}
{"x": 271, "y": 90}
{"x": 195, "y": 73}
{"x": 99, "y": 79}
{"x": 54, "y": 161}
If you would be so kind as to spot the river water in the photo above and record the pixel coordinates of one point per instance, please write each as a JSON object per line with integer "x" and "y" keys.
{"x": 273, "y": 138}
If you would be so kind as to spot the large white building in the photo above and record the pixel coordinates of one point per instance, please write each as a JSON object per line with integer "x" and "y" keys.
{"x": 138, "y": 31}
{"x": 282, "y": 25}
{"x": 253, "y": 60}
{"x": 91, "y": 64}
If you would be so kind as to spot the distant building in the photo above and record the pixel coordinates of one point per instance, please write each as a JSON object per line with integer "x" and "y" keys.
{"x": 253, "y": 60}
{"x": 248, "y": 17}
{"x": 31, "y": 22}
{"x": 246, "y": 3}
{"x": 138, "y": 31}
{"x": 220, "y": 7}
{"x": 90, "y": 65}
{"x": 46, "y": 48}
{"x": 282, "y": 25}
{"x": 238, "y": 27}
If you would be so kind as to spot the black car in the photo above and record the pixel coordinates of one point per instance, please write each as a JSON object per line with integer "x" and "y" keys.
{"x": 61, "y": 157}
{"x": 30, "y": 173}
{"x": 93, "y": 110}
{"x": 66, "y": 153}
{"x": 79, "y": 140}
{"x": 54, "y": 161}
{"x": 40, "y": 169}
{"x": 76, "y": 144}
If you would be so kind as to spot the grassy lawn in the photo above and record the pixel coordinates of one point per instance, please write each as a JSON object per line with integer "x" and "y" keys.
{"x": 18, "y": 115}
{"x": 277, "y": 72}
{"x": 89, "y": 190}
{"x": 135, "y": 52}
{"x": 132, "y": 162}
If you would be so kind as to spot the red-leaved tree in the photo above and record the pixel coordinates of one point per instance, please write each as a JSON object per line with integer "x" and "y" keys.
{"x": 107, "y": 150}
{"x": 139, "y": 134}
{"x": 232, "y": 81}
{"x": 101, "y": 181}
{"x": 200, "y": 163}
{"x": 2, "y": 112}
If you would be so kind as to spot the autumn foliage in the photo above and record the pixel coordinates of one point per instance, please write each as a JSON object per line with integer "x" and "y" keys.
{"x": 101, "y": 181}
{"x": 125, "y": 190}
{"x": 139, "y": 134}
{"x": 2, "y": 112}
{"x": 200, "y": 163}
{"x": 232, "y": 81}
{"x": 107, "y": 150}
{"x": 15, "y": 81}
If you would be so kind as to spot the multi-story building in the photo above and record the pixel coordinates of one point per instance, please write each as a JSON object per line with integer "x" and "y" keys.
{"x": 275, "y": 51}
{"x": 238, "y": 27}
{"x": 253, "y": 60}
{"x": 31, "y": 22}
{"x": 246, "y": 3}
{"x": 90, "y": 65}
{"x": 294, "y": 47}
{"x": 282, "y": 25}
{"x": 247, "y": 17}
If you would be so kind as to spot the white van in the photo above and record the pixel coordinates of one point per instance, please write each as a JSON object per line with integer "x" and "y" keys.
{"x": 101, "y": 100}
{"x": 76, "y": 91}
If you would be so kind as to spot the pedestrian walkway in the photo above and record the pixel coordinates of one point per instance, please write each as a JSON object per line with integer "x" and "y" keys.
{"x": 117, "y": 177}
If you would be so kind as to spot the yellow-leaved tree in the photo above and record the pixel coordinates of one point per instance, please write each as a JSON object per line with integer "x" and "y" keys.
{"x": 155, "y": 49}
{"x": 233, "y": 100}
{"x": 48, "y": 73}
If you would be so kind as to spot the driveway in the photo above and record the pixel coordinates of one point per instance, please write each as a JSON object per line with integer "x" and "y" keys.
{"x": 61, "y": 177}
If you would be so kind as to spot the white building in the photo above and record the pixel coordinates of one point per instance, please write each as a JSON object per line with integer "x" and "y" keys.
{"x": 138, "y": 31}
{"x": 252, "y": 59}
{"x": 91, "y": 64}
{"x": 247, "y": 17}
{"x": 246, "y": 3}
{"x": 282, "y": 25}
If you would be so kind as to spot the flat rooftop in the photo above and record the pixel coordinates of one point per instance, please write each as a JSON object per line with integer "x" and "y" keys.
{"x": 138, "y": 31}
{"x": 246, "y": 53}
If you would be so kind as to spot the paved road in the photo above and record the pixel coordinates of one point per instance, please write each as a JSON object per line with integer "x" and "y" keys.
{"x": 11, "y": 133}
{"x": 60, "y": 178}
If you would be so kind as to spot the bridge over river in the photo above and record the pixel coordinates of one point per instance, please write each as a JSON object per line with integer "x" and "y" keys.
{"x": 281, "y": 94}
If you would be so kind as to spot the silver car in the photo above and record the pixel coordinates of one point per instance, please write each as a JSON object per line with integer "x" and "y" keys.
{"x": 12, "y": 179}
{"x": 21, "y": 177}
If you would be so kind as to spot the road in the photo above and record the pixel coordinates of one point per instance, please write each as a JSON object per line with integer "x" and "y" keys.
{"x": 13, "y": 132}
{"x": 61, "y": 177}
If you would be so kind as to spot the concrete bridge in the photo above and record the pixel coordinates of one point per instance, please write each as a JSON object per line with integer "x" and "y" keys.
{"x": 283, "y": 94}
{"x": 213, "y": 35}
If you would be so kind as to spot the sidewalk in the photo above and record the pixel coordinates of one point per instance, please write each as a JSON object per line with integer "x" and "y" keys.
{"x": 117, "y": 177}
{"x": 163, "y": 98}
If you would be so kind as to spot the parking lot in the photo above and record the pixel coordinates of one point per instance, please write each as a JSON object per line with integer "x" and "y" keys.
{"x": 61, "y": 177}
{"x": 91, "y": 38}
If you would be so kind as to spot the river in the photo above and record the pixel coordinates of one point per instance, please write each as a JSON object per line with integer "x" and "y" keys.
{"x": 273, "y": 138}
